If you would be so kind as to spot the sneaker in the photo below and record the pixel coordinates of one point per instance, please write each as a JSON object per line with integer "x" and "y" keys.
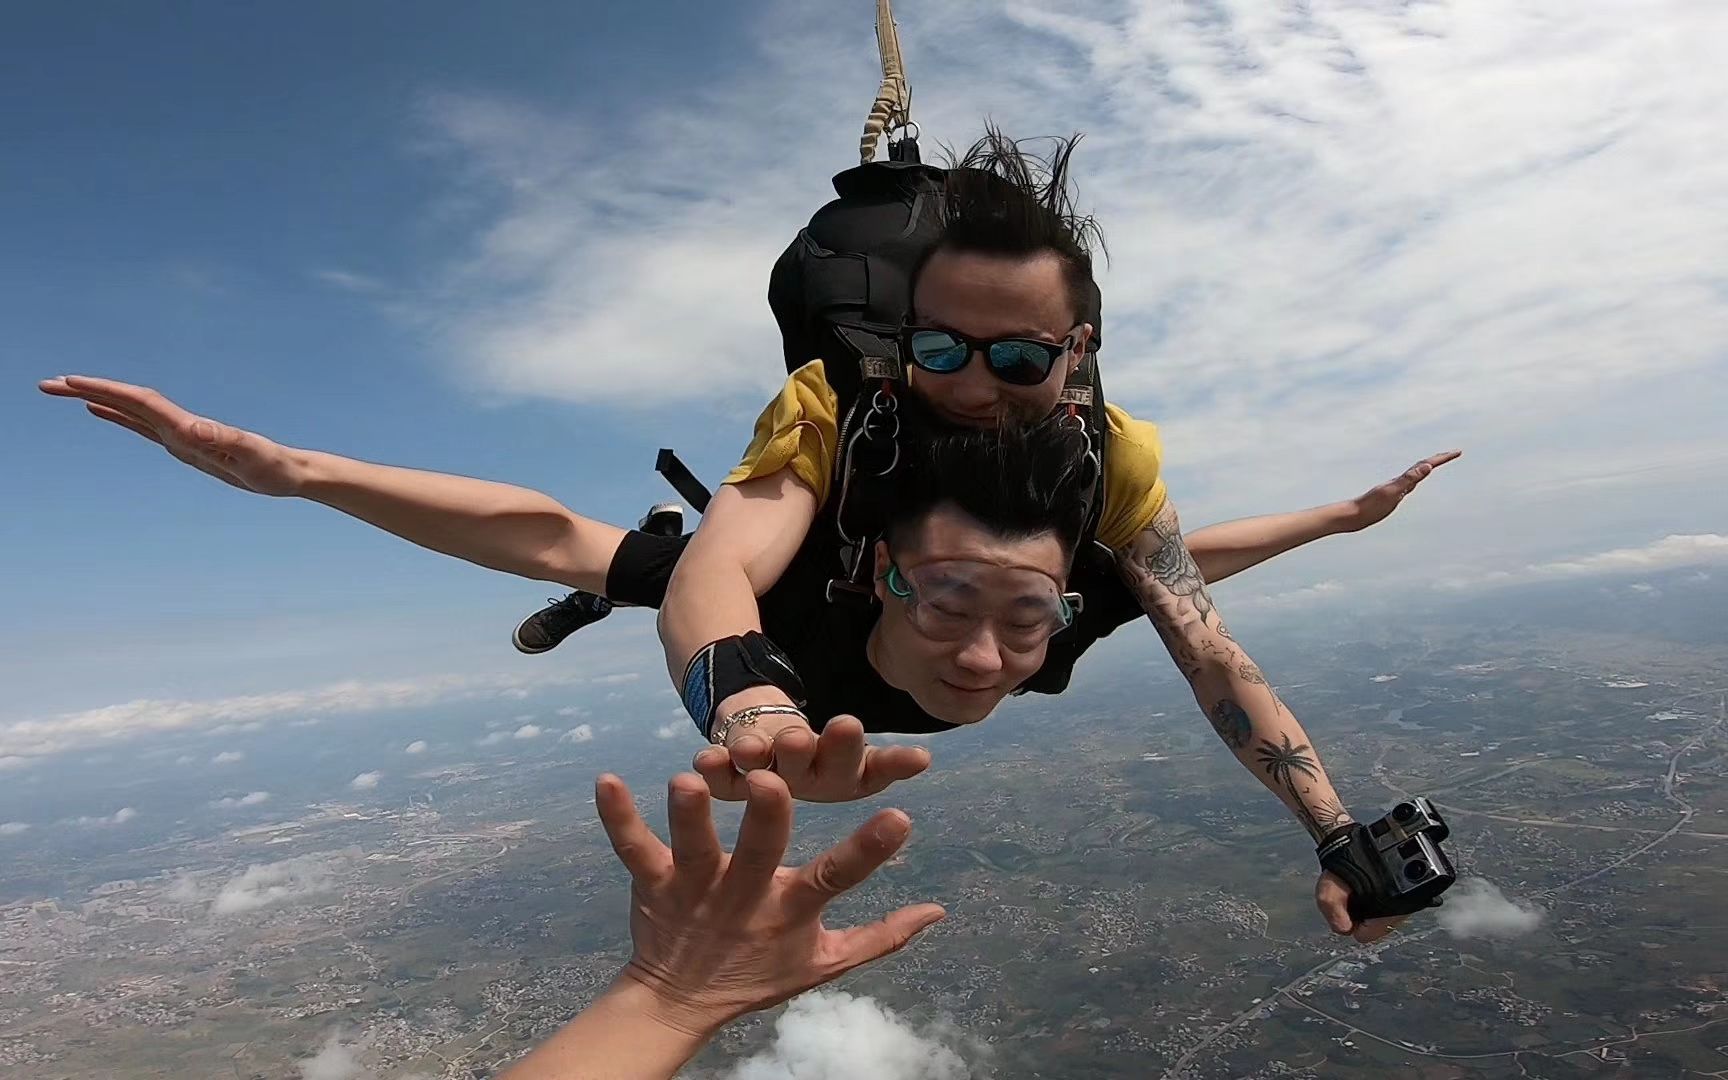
{"x": 543, "y": 630}
{"x": 663, "y": 519}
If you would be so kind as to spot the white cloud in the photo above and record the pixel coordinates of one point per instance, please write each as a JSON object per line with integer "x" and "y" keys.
{"x": 527, "y": 731}
{"x": 1474, "y": 907}
{"x": 835, "y": 1036}
{"x": 581, "y": 733}
{"x": 185, "y": 759}
{"x": 492, "y": 739}
{"x": 273, "y": 884}
{"x": 228, "y": 757}
{"x": 668, "y": 731}
{"x": 349, "y": 281}
{"x": 13, "y": 828}
{"x": 617, "y": 678}
{"x": 255, "y": 798}
{"x": 366, "y": 781}
{"x": 118, "y": 817}
{"x": 513, "y": 693}
{"x": 335, "y": 1060}
{"x": 1668, "y": 553}
{"x": 185, "y": 890}
{"x": 572, "y": 710}
{"x": 116, "y": 722}
{"x": 418, "y": 746}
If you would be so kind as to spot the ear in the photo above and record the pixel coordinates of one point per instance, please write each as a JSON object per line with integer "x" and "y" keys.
{"x": 1082, "y": 339}
{"x": 877, "y": 584}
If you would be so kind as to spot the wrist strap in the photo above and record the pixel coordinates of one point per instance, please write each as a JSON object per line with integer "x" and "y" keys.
{"x": 723, "y": 668}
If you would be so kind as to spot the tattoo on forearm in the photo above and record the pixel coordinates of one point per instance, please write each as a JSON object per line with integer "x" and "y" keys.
{"x": 1326, "y": 815}
{"x": 1231, "y": 723}
{"x": 1250, "y": 672}
{"x": 1283, "y": 763}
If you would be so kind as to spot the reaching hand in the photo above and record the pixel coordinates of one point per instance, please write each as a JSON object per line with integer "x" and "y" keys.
{"x": 1373, "y": 505}
{"x": 718, "y": 935}
{"x": 1332, "y": 897}
{"x": 241, "y": 458}
{"x": 836, "y": 766}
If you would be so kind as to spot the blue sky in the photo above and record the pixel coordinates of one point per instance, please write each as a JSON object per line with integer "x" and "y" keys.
{"x": 530, "y": 242}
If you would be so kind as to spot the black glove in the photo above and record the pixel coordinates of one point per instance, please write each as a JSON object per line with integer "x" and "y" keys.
{"x": 1348, "y": 851}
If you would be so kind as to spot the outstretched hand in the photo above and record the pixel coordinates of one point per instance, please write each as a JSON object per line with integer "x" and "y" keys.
{"x": 836, "y": 766}
{"x": 718, "y": 935}
{"x": 1374, "y": 505}
{"x": 242, "y": 458}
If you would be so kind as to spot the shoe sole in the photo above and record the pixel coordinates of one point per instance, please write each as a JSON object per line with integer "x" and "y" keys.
{"x": 516, "y": 640}
{"x": 671, "y": 509}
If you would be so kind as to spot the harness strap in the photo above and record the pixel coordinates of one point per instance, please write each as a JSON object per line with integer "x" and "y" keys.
{"x": 892, "y": 109}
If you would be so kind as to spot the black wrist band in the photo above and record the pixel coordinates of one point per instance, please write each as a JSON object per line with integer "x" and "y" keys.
{"x": 723, "y": 668}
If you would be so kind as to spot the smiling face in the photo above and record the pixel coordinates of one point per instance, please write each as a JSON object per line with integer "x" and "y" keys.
{"x": 994, "y": 296}
{"x": 980, "y": 636}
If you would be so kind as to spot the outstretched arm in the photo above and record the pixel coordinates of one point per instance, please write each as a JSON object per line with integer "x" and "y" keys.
{"x": 1234, "y": 546}
{"x": 499, "y": 526}
{"x": 1243, "y": 708}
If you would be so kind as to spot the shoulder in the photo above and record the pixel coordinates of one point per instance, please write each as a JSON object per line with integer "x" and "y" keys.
{"x": 1133, "y": 477}
{"x": 796, "y": 430}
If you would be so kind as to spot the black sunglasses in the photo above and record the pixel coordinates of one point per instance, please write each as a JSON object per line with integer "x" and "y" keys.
{"x": 1020, "y": 361}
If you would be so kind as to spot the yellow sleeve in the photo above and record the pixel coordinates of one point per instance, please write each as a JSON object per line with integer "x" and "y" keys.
{"x": 797, "y": 429}
{"x": 1133, "y": 480}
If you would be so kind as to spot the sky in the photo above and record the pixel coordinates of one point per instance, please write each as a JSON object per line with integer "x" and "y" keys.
{"x": 530, "y": 242}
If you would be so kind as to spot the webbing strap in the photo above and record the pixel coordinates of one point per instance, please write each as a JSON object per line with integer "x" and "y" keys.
{"x": 893, "y": 105}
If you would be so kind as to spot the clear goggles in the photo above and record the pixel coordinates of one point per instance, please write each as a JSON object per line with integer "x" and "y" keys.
{"x": 951, "y": 600}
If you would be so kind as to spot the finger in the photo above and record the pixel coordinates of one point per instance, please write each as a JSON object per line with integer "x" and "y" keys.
{"x": 724, "y": 782}
{"x": 1332, "y": 897}
{"x": 795, "y": 754}
{"x": 1374, "y": 929}
{"x": 696, "y": 850}
{"x": 141, "y": 401}
{"x": 848, "y": 863}
{"x": 840, "y": 750}
{"x": 751, "y": 752}
{"x": 762, "y": 839}
{"x": 115, "y": 416}
{"x": 1434, "y": 461}
{"x": 885, "y": 765}
{"x": 862, "y": 944}
{"x": 641, "y": 852}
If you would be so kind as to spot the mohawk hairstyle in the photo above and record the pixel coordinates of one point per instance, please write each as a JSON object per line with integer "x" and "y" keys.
{"x": 1000, "y": 199}
{"x": 1017, "y": 481}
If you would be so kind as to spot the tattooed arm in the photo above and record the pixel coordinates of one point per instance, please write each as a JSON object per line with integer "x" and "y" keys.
{"x": 1231, "y": 691}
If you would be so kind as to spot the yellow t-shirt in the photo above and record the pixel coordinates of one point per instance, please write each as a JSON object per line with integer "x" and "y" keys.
{"x": 799, "y": 429}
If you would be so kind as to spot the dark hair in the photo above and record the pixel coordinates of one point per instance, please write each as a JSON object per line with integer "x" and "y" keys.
{"x": 1017, "y": 481}
{"x": 999, "y": 199}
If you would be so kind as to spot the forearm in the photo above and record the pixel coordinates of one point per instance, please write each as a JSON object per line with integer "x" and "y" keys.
{"x": 1234, "y": 546}
{"x": 619, "y": 1036}
{"x": 1266, "y": 737}
{"x": 498, "y": 526}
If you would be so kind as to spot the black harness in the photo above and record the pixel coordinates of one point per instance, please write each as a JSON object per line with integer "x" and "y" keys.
{"x": 841, "y": 291}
